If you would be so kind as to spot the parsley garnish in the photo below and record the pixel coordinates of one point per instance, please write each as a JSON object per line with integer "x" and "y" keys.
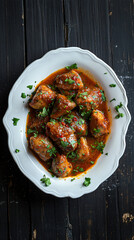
{"x": 23, "y": 95}
{"x": 105, "y": 73}
{"x": 69, "y": 80}
{"x": 52, "y": 151}
{"x": 43, "y": 113}
{"x": 15, "y": 121}
{"x": 46, "y": 181}
{"x": 103, "y": 96}
{"x": 73, "y": 66}
{"x": 112, "y": 85}
{"x": 119, "y": 115}
{"x": 64, "y": 144}
{"x": 96, "y": 130}
{"x": 113, "y": 100}
{"x": 82, "y": 94}
{"x": 30, "y": 86}
{"x": 17, "y": 150}
{"x": 118, "y": 106}
{"x": 72, "y": 179}
{"x": 87, "y": 182}
{"x": 99, "y": 146}
{"x": 29, "y": 131}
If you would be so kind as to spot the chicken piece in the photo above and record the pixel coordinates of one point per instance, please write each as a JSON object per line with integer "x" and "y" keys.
{"x": 69, "y": 80}
{"x": 43, "y": 147}
{"x": 62, "y": 106}
{"x": 43, "y": 97}
{"x": 38, "y": 123}
{"x": 69, "y": 93}
{"x": 98, "y": 124}
{"x": 76, "y": 123}
{"x": 88, "y": 99}
{"x": 60, "y": 166}
{"x": 83, "y": 150}
{"x": 62, "y": 135}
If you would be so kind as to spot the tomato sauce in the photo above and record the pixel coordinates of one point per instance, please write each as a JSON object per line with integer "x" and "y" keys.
{"x": 91, "y": 161}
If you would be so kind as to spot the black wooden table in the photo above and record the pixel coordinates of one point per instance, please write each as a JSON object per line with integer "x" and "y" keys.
{"x": 29, "y": 29}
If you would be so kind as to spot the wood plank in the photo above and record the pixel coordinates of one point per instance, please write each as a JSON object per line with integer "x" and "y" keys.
{"x": 14, "y": 222}
{"x": 122, "y": 39}
{"x": 44, "y": 31}
{"x": 87, "y": 24}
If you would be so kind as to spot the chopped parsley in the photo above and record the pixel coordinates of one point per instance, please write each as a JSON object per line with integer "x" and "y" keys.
{"x": 73, "y": 66}
{"x": 117, "y": 110}
{"x": 105, "y": 73}
{"x": 52, "y": 151}
{"x": 69, "y": 80}
{"x": 119, "y": 115}
{"x": 73, "y": 142}
{"x": 72, "y": 155}
{"x": 87, "y": 182}
{"x": 96, "y": 130}
{"x": 118, "y": 106}
{"x": 112, "y": 85}
{"x": 43, "y": 113}
{"x": 113, "y": 100}
{"x": 106, "y": 154}
{"x": 17, "y": 150}
{"x": 82, "y": 94}
{"x": 23, "y": 95}
{"x": 92, "y": 162}
{"x": 64, "y": 144}
{"x": 15, "y": 121}
{"x": 99, "y": 146}
{"x": 72, "y": 179}
{"x": 30, "y": 86}
{"x": 29, "y": 131}
{"x": 46, "y": 181}
{"x": 103, "y": 96}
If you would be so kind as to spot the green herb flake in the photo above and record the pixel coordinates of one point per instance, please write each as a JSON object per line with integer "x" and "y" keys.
{"x": 96, "y": 130}
{"x": 72, "y": 179}
{"x": 87, "y": 182}
{"x": 103, "y": 96}
{"x": 92, "y": 162}
{"x": 15, "y": 121}
{"x": 30, "y": 86}
{"x": 105, "y": 72}
{"x": 113, "y": 100}
{"x": 118, "y": 106}
{"x": 106, "y": 154}
{"x": 73, "y": 66}
{"x": 81, "y": 170}
{"x": 17, "y": 150}
{"x": 119, "y": 115}
{"x": 46, "y": 181}
{"x": 69, "y": 80}
{"x": 52, "y": 152}
{"x": 23, "y": 95}
{"x": 43, "y": 113}
{"x": 112, "y": 85}
{"x": 64, "y": 144}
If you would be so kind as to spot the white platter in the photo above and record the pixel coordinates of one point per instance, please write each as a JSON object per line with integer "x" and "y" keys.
{"x": 17, "y": 107}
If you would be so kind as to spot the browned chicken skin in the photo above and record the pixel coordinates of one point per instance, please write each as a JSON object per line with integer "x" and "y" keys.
{"x": 62, "y": 106}
{"x": 98, "y": 124}
{"x": 83, "y": 150}
{"x": 88, "y": 99}
{"x": 39, "y": 123}
{"x": 69, "y": 80}
{"x": 76, "y": 123}
{"x": 62, "y": 135}
{"x": 43, "y": 147}
{"x": 60, "y": 166}
{"x": 43, "y": 97}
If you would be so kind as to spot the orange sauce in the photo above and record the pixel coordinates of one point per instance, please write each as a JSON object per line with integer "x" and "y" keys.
{"x": 91, "y": 161}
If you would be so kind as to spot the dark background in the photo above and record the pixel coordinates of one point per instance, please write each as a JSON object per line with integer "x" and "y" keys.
{"x": 29, "y": 29}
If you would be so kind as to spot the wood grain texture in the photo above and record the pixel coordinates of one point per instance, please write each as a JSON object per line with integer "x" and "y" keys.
{"x": 122, "y": 40}
{"x": 14, "y": 222}
{"x": 30, "y": 29}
